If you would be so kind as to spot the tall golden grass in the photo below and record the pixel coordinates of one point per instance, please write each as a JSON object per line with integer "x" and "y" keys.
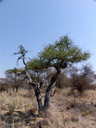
{"x": 19, "y": 110}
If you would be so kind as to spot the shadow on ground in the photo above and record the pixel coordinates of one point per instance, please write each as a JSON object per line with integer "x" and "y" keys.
{"x": 20, "y": 119}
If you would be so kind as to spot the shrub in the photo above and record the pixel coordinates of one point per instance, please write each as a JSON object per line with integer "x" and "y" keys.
{"x": 4, "y": 87}
{"x": 81, "y": 79}
{"x": 62, "y": 81}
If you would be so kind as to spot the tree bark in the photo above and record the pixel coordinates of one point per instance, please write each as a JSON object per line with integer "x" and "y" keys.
{"x": 47, "y": 96}
{"x": 39, "y": 99}
{"x": 36, "y": 88}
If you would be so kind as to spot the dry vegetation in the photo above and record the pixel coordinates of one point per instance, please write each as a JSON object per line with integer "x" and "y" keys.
{"x": 19, "y": 110}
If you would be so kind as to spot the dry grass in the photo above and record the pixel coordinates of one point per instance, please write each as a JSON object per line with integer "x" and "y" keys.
{"x": 19, "y": 110}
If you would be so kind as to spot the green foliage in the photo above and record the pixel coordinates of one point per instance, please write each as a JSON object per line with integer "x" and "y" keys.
{"x": 58, "y": 55}
{"x": 14, "y": 70}
{"x": 22, "y": 52}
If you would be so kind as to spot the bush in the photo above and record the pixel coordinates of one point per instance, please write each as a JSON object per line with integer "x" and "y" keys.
{"x": 62, "y": 81}
{"x": 81, "y": 79}
{"x": 4, "y": 87}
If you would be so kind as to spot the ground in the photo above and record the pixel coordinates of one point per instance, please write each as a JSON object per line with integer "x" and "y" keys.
{"x": 19, "y": 110}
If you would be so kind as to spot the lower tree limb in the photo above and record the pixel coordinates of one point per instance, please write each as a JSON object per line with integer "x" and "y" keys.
{"x": 36, "y": 88}
{"x": 47, "y": 96}
{"x": 39, "y": 99}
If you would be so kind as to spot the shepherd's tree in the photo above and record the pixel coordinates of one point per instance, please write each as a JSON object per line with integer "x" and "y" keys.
{"x": 58, "y": 55}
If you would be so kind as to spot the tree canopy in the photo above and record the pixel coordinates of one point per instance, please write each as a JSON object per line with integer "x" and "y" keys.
{"x": 59, "y": 55}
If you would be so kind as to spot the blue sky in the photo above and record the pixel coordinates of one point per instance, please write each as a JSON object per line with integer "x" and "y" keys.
{"x": 35, "y": 23}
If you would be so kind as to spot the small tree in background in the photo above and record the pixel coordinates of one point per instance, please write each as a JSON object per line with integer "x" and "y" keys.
{"x": 83, "y": 80}
{"x": 58, "y": 55}
{"x": 14, "y": 77}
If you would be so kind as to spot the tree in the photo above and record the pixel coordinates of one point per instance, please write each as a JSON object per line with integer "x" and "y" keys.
{"x": 14, "y": 77}
{"x": 82, "y": 79}
{"x": 58, "y": 55}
